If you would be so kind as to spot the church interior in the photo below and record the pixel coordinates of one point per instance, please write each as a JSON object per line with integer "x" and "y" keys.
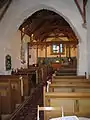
{"x": 44, "y": 60}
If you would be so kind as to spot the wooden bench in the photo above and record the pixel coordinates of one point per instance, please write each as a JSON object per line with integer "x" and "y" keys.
{"x": 26, "y": 70}
{"x": 10, "y": 91}
{"x": 0, "y": 104}
{"x": 27, "y": 110}
{"x": 71, "y": 81}
{"x": 32, "y": 73}
{"x": 70, "y": 84}
{"x": 13, "y": 88}
{"x": 73, "y": 103}
{"x": 69, "y": 87}
{"x": 69, "y": 77}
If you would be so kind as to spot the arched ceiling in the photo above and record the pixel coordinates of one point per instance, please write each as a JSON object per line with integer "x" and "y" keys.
{"x": 43, "y": 23}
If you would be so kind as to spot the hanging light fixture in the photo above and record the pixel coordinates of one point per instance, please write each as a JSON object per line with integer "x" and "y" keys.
{"x": 23, "y": 29}
{"x": 32, "y": 37}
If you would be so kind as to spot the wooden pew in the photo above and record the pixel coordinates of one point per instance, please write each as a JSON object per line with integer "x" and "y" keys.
{"x": 69, "y": 77}
{"x": 58, "y": 81}
{"x": 10, "y": 94}
{"x": 26, "y": 71}
{"x": 12, "y": 89}
{"x": 26, "y": 83}
{"x": 73, "y": 103}
{"x": 69, "y": 87}
{"x": 0, "y": 104}
{"x": 5, "y": 92}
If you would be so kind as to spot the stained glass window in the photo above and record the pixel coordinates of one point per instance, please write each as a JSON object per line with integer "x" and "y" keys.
{"x": 61, "y": 48}
{"x": 57, "y": 48}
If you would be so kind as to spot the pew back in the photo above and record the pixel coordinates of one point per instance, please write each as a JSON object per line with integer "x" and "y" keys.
{"x": 48, "y": 112}
{"x": 70, "y": 81}
{"x": 69, "y": 77}
{"x": 73, "y": 103}
{"x": 25, "y": 79}
{"x": 29, "y": 73}
{"x": 10, "y": 94}
{"x": 0, "y": 105}
{"x": 15, "y": 89}
{"x": 69, "y": 87}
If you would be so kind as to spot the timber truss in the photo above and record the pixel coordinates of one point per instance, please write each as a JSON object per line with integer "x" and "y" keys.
{"x": 81, "y": 5}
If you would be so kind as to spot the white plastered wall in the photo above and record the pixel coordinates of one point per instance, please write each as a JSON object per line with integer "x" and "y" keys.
{"x": 88, "y": 34}
{"x": 22, "y": 9}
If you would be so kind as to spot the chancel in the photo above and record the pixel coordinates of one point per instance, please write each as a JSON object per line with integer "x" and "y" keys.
{"x": 44, "y": 59}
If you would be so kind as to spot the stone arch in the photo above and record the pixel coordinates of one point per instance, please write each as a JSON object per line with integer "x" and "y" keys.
{"x": 26, "y": 14}
{"x": 16, "y": 18}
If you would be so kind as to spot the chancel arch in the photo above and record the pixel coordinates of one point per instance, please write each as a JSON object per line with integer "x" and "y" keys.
{"x": 51, "y": 41}
{"x": 10, "y": 35}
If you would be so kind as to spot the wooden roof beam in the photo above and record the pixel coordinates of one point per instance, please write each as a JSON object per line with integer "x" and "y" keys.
{"x": 47, "y": 28}
{"x": 52, "y": 42}
{"x": 82, "y": 12}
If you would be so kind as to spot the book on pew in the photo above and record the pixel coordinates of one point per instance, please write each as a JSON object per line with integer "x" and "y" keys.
{"x": 66, "y": 118}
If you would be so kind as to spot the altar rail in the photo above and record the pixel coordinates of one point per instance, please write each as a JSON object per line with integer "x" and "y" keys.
{"x": 27, "y": 110}
{"x": 0, "y": 106}
{"x": 13, "y": 89}
{"x": 25, "y": 79}
{"x": 70, "y": 77}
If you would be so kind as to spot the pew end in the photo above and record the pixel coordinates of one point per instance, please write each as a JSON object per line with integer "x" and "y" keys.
{"x": 49, "y": 112}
